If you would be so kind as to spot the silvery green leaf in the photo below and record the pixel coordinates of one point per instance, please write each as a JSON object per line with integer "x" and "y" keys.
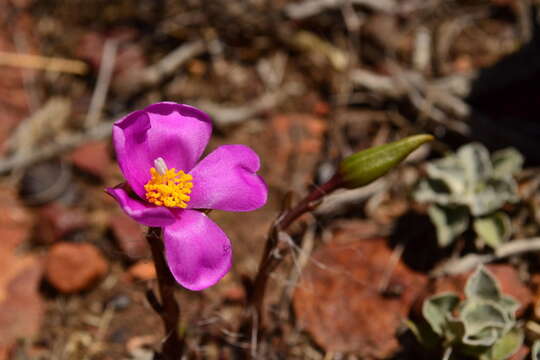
{"x": 450, "y": 171}
{"x": 437, "y": 308}
{"x": 490, "y": 196}
{"x": 510, "y": 305}
{"x": 494, "y": 229}
{"x": 478, "y": 316}
{"x": 535, "y": 352}
{"x": 506, "y": 162}
{"x": 482, "y": 285}
{"x": 485, "y": 337}
{"x": 449, "y": 222}
{"x": 475, "y": 160}
{"x": 432, "y": 191}
{"x": 505, "y": 347}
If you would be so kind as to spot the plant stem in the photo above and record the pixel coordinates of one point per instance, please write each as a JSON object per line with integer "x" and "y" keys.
{"x": 173, "y": 346}
{"x": 273, "y": 247}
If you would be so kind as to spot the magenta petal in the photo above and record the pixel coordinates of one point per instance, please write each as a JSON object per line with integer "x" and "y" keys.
{"x": 175, "y": 132}
{"x": 226, "y": 180}
{"x": 142, "y": 212}
{"x": 197, "y": 250}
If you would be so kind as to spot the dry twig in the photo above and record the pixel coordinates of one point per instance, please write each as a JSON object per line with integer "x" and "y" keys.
{"x": 62, "y": 144}
{"x": 469, "y": 262}
{"x": 309, "y": 8}
{"x": 38, "y": 62}
{"x": 99, "y": 96}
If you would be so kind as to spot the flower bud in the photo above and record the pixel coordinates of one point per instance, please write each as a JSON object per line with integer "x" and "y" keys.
{"x": 368, "y": 165}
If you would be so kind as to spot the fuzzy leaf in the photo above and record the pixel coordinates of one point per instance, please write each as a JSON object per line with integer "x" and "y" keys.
{"x": 475, "y": 160}
{"x": 483, "y": 338}
{"x": 449, "y": 222}
{"x": 368, "y": 165}
{"x": 438, "y": 308}
{"x": 483, "y": 285}
{"x": 450, "y": 171}
{"x": 490, "y": 196}
{"x": 510, "y": 305}
{"x": 434, "y": 191}
{"x": 484, "y": 323}
{"x": 506, "y": 162}
{"x": 505, "y": 346}
{"x": 494, "y": 229}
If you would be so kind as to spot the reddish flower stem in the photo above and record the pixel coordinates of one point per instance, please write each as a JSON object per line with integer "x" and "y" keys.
{"x": 273, "y": 247}
{"x": 173, "y": 346}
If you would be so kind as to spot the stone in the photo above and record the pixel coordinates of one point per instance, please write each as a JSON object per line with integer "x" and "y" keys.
{"x": 93, "y": 158}
{"x": 353, "y": 297}
{"x": 21, "y": 306}
{"x": 72, "y": 268}
{"x": 129, "y": 236}
{"x": 56, "y": 221}
{"x": 143, "y": 270}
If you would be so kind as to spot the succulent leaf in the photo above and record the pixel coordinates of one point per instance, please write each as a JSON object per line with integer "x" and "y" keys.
{"x": 438, "y": 308}
{"x": 506, "y": 162}
{"x": 506, "y": 346}
{"x": 481, "y": 316}
{"x": 450, "y": 222}
{"x": 483, "y": 285}
{"x": 485, "y": 337}
{"x": 494, "y": 229}
{"x": 450, "y": 171}
{"x": 475, "y": 160}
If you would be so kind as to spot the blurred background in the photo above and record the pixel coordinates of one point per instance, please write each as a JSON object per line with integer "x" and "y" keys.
{"x": 304, "y": 83}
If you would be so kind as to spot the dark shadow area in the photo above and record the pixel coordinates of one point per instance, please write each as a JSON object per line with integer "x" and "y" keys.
{"x": 418, "y": 234}
{"x": 505, "y": 99}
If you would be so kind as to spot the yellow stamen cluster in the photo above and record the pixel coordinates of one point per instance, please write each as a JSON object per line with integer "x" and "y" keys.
{"x": 170, "y": 189}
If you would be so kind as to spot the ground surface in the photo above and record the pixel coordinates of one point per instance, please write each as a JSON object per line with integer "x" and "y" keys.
{"x": 304, "y": 83}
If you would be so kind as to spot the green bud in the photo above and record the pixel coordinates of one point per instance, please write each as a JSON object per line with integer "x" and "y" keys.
{"x": 368, "y": 165}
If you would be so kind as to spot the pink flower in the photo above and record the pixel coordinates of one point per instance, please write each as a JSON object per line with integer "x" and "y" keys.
{"x": 158, "y": 149}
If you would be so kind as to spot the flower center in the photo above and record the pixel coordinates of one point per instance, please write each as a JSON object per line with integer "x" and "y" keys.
{"x": 168, "y": 187}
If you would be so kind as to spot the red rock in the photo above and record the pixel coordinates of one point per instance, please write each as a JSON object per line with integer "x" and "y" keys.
{"x": 521, "y": 354}
{"x": 72, "y": 267}
{"x": 234, "y": 293}
{"x": 56, "y": 221}
{"x": 93, "y": 158}
{"x": 129, "y": 236}
{"x": 4, "y": 352}
{"x": 21, "y": 306}
{"x": 352, "y": 298}
{"x": 143, "y": 270}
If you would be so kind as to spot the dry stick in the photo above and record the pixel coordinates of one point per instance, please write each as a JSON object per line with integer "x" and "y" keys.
{"x": 272, "y": 255}
{"x": 66, "y": 143}
{"x": 43, "y": 63}
{"x": 173, "y": 346}
{"x": 470, "y": 261}
{"x": 108, "y": 60}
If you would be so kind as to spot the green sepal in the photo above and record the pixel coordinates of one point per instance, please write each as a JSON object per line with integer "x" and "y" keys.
{"x": 368, "y": 165}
